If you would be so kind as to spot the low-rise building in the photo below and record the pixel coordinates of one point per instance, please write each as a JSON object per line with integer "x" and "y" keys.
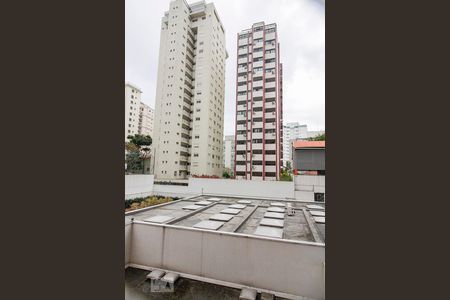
{"x": 309, "y": 157}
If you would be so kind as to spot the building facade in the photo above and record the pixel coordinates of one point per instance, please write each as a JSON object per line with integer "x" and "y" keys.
{"x": 189, "y": 109}
{"x": 259, "y": 113}
{"x": 228, "y": 153}
{"x": 146, "y": 115}
{"x": 132, "y": 103}
{"x": 292, "y": 131}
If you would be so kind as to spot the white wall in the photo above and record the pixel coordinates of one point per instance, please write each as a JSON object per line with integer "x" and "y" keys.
{"x": 138, "y": 186}
{"x": 142, "y": 186}
{"x": 128, "y": 227}
{"x": 244, "y": 188}
{"x": 307, "y": 185}
{"x": 179, "y": 191}
{"x": 283, "y": 266}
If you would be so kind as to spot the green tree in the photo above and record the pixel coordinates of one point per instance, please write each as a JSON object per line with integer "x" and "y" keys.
{"x": 288, "y": 166}
{"x": 285, "y": 176}
{"x": 138, "y": 150}
{"x": 320, "y": 137}
{"x": 140, "y": 140}
{"x": 226, "y": 174}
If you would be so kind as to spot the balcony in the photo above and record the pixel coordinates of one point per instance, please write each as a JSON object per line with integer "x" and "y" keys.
{"x": 257, "y": 104}
{"x": 241, "y": 117}
{"x": 270, "y": 55}
{"x": 270, "y": 157}
{"x": 257, "y": 73}
{"x": 258, "y": 64}
{"x": 185, "y": 140}
{"x": 243, "y": 51}
{"x": 257, "y": 157}
{"x": 242, "y": 70}
{"x": 257, "y": 125}
{"x": 257, "y": 168}
{"x": 271, "y": 168}
{"x": 242, "y": 60}
{"x": 270, "y": 115}
{"x": 242, "y": 78}
{"x": 270, "y": 46}
{"x": 241, "y": 137}
{"x": 257, "y": 146}
{"x": 258, "y": 44}
{"x": 270, "y": 125}
{"x": 241, "y": 127}
{"x": 258, "y": 34}
{"x": 270, "y": 84}
{"x": 258, "y": 93}
{"x": 271, "y": 147}
{"x": 270, "y": 95}
{"x": 257, "y": 114}
{"x": 258, "y": 83}
{"x": 257, "y": 54}
{"x": 242, "y": 97}
{"x": 270, "y": 136}
{"x": 270, "y": 74}
{"x": 257, "y": 135}
{"x": 270, "y": 36}
{"x": 270, "y": 65}
{"x": 185, "y": 131}
{"x": 242, "y": 107}
{"x": 240, "y": 147}
{"x": 242, "y": 42}
{"x": 242, "y": 88}
{"x": 240, "y": 168}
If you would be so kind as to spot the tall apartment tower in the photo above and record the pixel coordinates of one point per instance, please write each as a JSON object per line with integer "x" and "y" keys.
{"x": 132, "y": 102}
{"x": 292, "y": 131}
{"x": 259, "y": 112}
{"x": 189, "y": 109}
{"x": 146, "y": 116}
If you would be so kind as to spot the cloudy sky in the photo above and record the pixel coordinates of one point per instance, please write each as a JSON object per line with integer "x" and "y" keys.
{"x": 301, "y": 32}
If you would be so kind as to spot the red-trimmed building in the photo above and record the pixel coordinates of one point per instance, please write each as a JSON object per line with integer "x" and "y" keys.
{"x": 259, "y": 112}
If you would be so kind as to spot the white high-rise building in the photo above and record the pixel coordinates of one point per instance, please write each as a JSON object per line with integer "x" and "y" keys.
{"x": 228, "y": 152}
{"x": 259, "y": 113}
{"x": 189, "y": 109}
{"x": 146, "y": 123}
{"x": 132, "y": 103}
{"x": 291, "y": 132}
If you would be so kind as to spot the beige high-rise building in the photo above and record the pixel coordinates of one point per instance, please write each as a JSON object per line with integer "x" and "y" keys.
{"x": 132, "y": 103}
{"x": 146, "y": 116}
{"x": 189, "y": 109}
{"x": 259, "y": 113}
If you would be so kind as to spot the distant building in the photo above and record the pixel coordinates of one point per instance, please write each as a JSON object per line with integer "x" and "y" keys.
{"x": 313, "y": 134}
{"x": 146, "y": 116}
{"x": 228, "y": 153}
{"x": 132, "y": 103}
{"x": 291, "y": 132}
{"x": 309, "y": 157}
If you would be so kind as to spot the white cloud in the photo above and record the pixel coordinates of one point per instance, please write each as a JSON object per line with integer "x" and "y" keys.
{"x": 301, "y": 30}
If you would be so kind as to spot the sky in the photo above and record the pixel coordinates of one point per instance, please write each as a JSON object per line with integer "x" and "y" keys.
{"x": 301, "y": 34}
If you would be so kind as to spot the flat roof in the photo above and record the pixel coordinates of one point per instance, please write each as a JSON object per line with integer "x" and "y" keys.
{"x": 239, "y": 215}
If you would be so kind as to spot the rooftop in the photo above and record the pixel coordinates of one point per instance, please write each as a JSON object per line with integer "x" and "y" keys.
{"x": 308, "y": 144}
{"x": 256, "y": 217}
